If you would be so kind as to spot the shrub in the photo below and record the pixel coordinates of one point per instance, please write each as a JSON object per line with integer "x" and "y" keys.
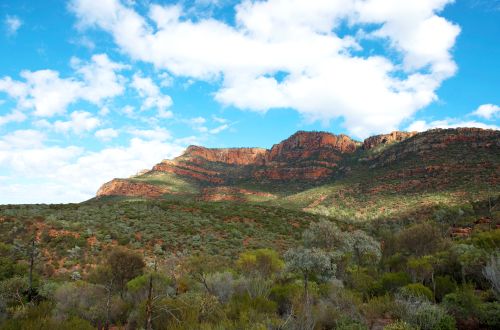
{"x": 284, "y": 295}
{"x": 463, "y": 303}
{"x": 417, "y": 290}
{"x": 444, "y": 286}
{"x": 489, "y": 315}
{"x": 346, "y": 323}
{"x": 419, "y": 239}
{"x": 423, "y": 314}
{"x": 221, "y": 285}
{"x": 390, "y": 282}
{"x": 399, "y": 325}
{"x": 263, "y": 262}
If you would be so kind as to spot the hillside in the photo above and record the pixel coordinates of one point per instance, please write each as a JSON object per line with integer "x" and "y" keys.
{"x": 319, "y": 232}
{"x": 386, "y": 175}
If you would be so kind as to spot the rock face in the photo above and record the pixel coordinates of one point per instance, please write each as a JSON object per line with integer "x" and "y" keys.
{"x": 303, "y": 156}
{"x": 231, "y": 156}
{"x": 429, "y": 159}
{"x": 390, "y": 138}
{"x": 120, "y": 187}
{"x": 312, "y": 145}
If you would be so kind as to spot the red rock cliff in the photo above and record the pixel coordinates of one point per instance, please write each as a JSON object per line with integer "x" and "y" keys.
{"x": 392, "y": 137}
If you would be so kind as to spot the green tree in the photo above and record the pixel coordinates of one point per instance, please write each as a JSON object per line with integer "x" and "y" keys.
{"x": 365, "y": 249}
{"x": 124, "y": 265}
{"x": 261, "y": 262}
{"x": 420, "y": 239}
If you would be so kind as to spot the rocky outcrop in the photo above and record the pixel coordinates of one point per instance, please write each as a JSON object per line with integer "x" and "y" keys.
{"x": 231, "y": 156}
{"x": 306, "y": 156}
{"x": 390, "y": 138}
{"x": 410, "y": 160}
{"x": 121, "y": 187}
{"x": 312, "y": 145}
{"x": 428, "y": 146}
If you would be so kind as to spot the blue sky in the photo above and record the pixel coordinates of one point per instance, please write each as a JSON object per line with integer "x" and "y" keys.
{"x": 92, "y": 90}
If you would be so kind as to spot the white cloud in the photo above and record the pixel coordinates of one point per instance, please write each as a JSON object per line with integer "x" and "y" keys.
{"x": 48, "y": 94}
{"x": 156, "y": 134}
{"x": 219, "y": 129}
{"x": 70, "y": 174}
{"x": 104, "y": 111}
{"x": 80, "y": 121}
{"x": 487, "y": 111}
{"x": 106, "y": 134}
{"x": 129, "y": 111}
{"x": 153, "y": 98}
{"x": 219, "y": 120}
{"x": 323, "y": 75}
{"x": 14, "y": 116}
{"x": 12, "y": 24}
{"x": 422, "y": 125}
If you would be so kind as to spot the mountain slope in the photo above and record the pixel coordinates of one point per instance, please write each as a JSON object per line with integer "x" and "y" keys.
{"x": 323, "y": 173}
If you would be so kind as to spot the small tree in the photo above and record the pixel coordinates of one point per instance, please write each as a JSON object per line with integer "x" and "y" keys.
{"x": 365, "y": 249}
{"x": 124, "y": 266}
{"x": 199, "y": 267}
{"x": 261, "y": 262}
{"x": 325, "y": 235}
{"x": 420, "y": 239}
{"x": 492, "y": 273}
{"x": 309, "y": 263}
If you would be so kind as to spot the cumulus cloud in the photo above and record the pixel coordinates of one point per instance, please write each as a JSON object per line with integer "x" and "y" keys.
{"x": 12, "y": 24}
{"x": 13, "y": 116}
{"x": 153, "y": 97}
{"x": 106, "y": 134}
{"x": 290, "y": 54}
{"x": 487, "y": 111}
{"x": 47, "y": 94}
{"x": 156, "y": 134}
{"x": 71, "y": 173}
{"x": 79, "y": 122}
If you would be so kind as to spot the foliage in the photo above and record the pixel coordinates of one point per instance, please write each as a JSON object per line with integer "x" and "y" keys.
{"x": 124, "y": 265}
{"x": 444, "y": 285}
{"x": 309, "y": 262}
{"x": 423, "y": 314}
{"x": 264, "y": 262}
{"x": 492, "y": 273}
{"x": 417, "y": 290}
{"x": 420, "y": 239}
{"x": 390, "y": 282}
{"x": 399, "y": 325}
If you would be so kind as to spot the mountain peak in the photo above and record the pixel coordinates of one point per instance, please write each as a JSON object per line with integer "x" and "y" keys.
{"x": 310, "y": 158}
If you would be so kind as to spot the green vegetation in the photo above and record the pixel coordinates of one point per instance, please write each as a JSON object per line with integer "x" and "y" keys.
{"x": 401, "y": 237}
{"x": 198, "y": 265}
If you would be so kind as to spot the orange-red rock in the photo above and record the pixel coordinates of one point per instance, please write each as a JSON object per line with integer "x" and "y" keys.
{"x": 122, "y": 187}
{"x": 392, "y": 137}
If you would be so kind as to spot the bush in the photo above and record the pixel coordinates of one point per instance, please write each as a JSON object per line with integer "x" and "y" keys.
{"x": 423, "y": 314}
{"x": 346, "y": 323}
{"x": 284, "y": 295}
{"x": 463, "y": 303}
{"x": 444, "y": 286}
{"x": 417, "y": 290}
{"x": 390, "y": 282}
{"x": 221, "y": 285}
{"x": 399, "y": 325}
{"x": 489, "y": 315}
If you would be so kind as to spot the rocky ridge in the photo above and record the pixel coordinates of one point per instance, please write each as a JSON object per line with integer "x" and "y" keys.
{"x": 316, "y": 157}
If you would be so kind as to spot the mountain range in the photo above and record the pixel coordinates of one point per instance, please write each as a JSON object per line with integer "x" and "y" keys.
{"x": 320, "y": 172}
